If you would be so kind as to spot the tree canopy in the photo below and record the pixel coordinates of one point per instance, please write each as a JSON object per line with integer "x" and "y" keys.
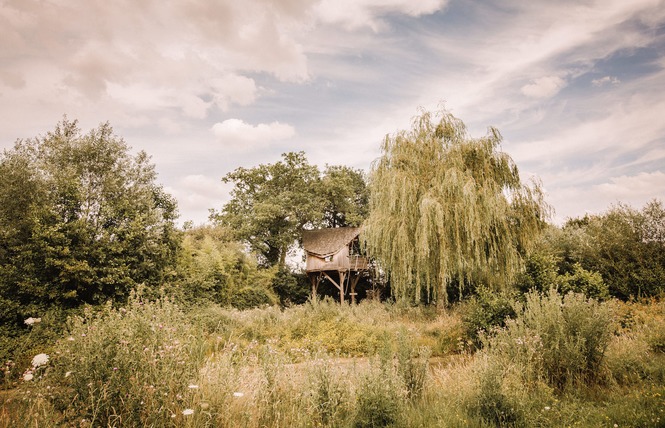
{"x": 271, "y": 203}
{"x": 624, "y": 245}
{"x": 449, "y": 209}
{"x": 81, "y": 221}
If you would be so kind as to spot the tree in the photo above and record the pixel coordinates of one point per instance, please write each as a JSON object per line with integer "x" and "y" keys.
{"x": 346, "y": 196}
{"x": 624, "y": 245}
{"x": 212, "y": 268}
{"x": 81, "y": 221}
{"x": 448, "y": 209}
{"x": 270, "y": 204}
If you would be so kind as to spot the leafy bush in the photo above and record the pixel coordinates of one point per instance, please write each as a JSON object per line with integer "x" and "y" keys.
{"x": 486, "y": 311}
{"x": 582, "y": 281}
{"x": 490, "y": 403}
{"x": 213, "y": 269}
{"x": 542, "y": 272}
{"x": 412, "y": 365}
{"x": 128, "y": 366}
{"x": 379, "y": 400}
{"x": 330, "y": 398}
{"x": 561, "y": 340}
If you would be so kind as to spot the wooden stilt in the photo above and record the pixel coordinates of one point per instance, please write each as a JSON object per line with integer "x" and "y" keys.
{"x": 315, "y": 280}
{"x": 354, "y": 282}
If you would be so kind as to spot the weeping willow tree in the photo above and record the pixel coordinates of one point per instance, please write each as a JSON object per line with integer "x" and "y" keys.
{"x": 449, "y": 209}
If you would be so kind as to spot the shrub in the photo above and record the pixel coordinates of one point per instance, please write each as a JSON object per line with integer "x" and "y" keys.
{"x": 379, "y": 400}
{"x": 582, "y": 281}
{"x": 412, "y": 365}
{"x": 330, "y": 398}
{"x": 129, "y": 366}
{"x": 561, "y": 340}
{"x": 490, "y": 403}
{"x": 486, "y": 311}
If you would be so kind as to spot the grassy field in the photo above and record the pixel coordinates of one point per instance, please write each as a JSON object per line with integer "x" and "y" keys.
{"x": 562, "y": 361}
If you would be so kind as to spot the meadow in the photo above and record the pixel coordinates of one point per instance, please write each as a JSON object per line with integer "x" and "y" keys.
{"x": 558, "y": 361}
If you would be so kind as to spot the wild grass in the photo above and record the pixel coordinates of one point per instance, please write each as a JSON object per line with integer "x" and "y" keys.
{"x": 328, "y": 365}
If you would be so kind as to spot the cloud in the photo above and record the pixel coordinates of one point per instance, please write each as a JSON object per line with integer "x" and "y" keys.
{"x": 635, "y": 190}
{"x": 355, "y": 14}
{"x": 238, "y": 134}
{"x": 607, "y": 80}
{"x": 196, "y": 194}
{"x": 544, "y": 87}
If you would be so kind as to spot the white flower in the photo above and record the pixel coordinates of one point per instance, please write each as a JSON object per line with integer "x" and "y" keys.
{"x": 547, "y": 407}
{"x": 188, "y": 412}
{"x": 238, "y": 394}
{"x": 31, "y": 321}
{"x": 28, "y": 376}
{"x": 68, "y": 374}
{"x": 192, "y": 386}
{"x": 39, "y": 360}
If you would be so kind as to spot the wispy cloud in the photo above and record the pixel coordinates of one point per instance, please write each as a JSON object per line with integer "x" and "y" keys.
{"x": 544, "y": 87}
{"x": 607, "y": 80}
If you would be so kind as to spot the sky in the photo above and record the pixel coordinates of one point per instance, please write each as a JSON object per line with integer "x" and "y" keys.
{"x": 576, "y": 88}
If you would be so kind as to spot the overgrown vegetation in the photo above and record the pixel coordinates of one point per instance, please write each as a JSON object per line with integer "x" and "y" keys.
{"x": 563, "y": 360}
{"x": 109, "y": 316}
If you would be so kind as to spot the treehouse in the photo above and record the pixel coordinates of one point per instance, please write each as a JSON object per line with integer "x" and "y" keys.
{"x": 334, "y": 254}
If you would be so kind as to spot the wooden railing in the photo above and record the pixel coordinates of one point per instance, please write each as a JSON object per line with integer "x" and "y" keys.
{"x": 357, "y": 262}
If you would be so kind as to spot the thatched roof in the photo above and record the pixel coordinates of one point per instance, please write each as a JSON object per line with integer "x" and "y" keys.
{"x": 325, "y": 242}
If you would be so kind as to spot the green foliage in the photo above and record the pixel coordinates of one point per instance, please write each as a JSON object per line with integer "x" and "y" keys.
{"x": 542, "y": 273}
{"x": 491, "y": 403}
{"x": 272, "y": 203}
{"x": 486, "y": 311}
{"x": 412, "y": 365}
{"x": 625, "y": 246}
{"x": 345, "y": 195}
{"x": 558, "y": 340}
{"x": 127, "y": 367}
{"x": 446, "y": 208}
{"x": 212, "y": 268}
{"x": 582, "y": 281}
{"x": 379, "y": 401}
{"x": 292, "y": 288}
{"x": 331, "y": 401}
{"x": 226, "y": 368}
{"x": 81, "y": 221}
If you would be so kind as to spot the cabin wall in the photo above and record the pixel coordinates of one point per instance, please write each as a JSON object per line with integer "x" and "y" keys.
{"x": 338, "y": 261}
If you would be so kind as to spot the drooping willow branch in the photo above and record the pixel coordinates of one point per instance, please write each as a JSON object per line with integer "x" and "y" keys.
{"x": 446, "y": 208}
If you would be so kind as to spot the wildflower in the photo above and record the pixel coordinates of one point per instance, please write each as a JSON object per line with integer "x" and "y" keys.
{"x": 547, "y": 407}
{"x": 31, "y": 321}
{"x": 39, "y": 360}
{"x": 238, "y": 394}
{"x": 68, "y": 374}
{"x": 71, "y": 339}
{"x": 192, "y": 386}
{"x": 187, "y": 412}
{"x": 115, "y": 369}
{"x": 28, "y": 376}
{"x": 204, "y": 406}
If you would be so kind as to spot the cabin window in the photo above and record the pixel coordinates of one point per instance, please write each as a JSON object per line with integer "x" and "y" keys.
{"x": 328, "y": 259}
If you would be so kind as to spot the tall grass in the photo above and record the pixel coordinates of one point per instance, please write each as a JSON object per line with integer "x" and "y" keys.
{"x": 151, "y": 364}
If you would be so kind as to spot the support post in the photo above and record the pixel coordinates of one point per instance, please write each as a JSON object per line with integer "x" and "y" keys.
{"x": 315, "y": 279}
{"x": 354, "y": 282}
